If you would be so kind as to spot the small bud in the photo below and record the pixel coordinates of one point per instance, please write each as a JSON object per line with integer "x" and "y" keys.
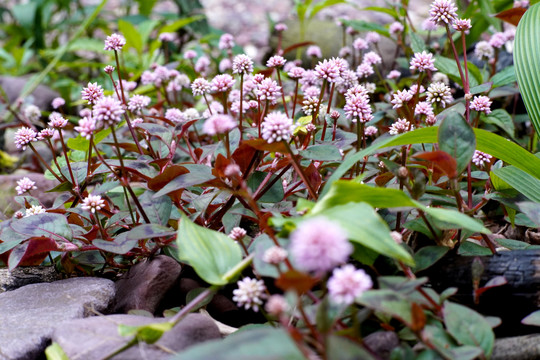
{"x": 403, "y": 173}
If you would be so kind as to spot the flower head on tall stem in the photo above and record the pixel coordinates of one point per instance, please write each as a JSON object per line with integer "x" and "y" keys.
{"x": 87, "y": 126}
{"x": 222, "y": 83}
{"x": 314, "y": 51}
{"x": 423, "y": 61}
{"x": 276, "y": 61}
{"x": 108, "y": 111}
{"x": 396, "y": 27}
{"x": 226, "y": 42}
{"x": 93, "y": 203}
{"x": 347, "y": 283}
{"x": 92, "y": 93}
{"x": 219, "y": 124}
{"x": 277, "y": 127}
{"x": 319, "y": 245}
{"x": 481, "y": 104}
{"x": 32, "y": 113}
{"x": 372, "y": 58}
{"x": 137, "y": 103}
{"x": 462, "y": 25}
{"x": 242, "y": 64}
{"x": 400, "y": 126}
{"x": 57, "y": 121}
{"x": 480, "y": 158}
{"x": 269, "y": 90}
{"x": 175, "y": 115}
{"x": 24, "y": 185}
{"x": 400, "y": 98}
{"x": 114, "y": 42}
{"x": 440, "y": 93}
{"x": 58, "y": 102}
{"x": 23, "y": 137}
{"x": 357, "y": 108}
{"x": 200, "y": 86}
{"x": 443, "y": 11}
{"x": 250, "y": 293}
{"x": 328, "y": 70}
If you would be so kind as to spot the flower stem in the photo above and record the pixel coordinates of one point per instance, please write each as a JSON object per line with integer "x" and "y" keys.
{"x": 300, "y": 172}
{"x": 282, "y": 93}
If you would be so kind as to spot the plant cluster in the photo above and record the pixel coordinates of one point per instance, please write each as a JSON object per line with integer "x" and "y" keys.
{"x": 297, "y": 182}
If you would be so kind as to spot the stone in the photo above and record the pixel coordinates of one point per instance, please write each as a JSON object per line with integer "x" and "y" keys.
{"x": 144, "y": 286}
{"x": 42, "y": 96}
{"x": 29, "y": 314}
{"x": 382, "y": 343}
{"x": 26, "y": 275}
{"x": 97, "y": 337}
{"x": 525, "y": 347}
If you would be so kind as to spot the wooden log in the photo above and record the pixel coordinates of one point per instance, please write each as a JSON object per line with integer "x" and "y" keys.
{"x": 510, "y": 302}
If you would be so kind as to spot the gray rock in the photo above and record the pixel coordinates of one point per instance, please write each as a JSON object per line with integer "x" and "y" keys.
{"x": 382, "y": 343}
{"x": 28, "y": 315}
{"x": 26, "y": 275}
{"x": 145, "y": 284}
{"x": 97, "y": 337}
{"x": 525, "y": 347}
{"x": 42, "y": 96}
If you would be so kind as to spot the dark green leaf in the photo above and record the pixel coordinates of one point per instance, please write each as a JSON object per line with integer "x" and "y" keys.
{"x": 481, "y": 88}
{"x": 340, "y": 348}
{"x": 262, "y": 343}
{"x": 504, "y": 77}
{"x": 126, "y": 241}
{"x": 389, "y": 302}
{"x": 531, "y": 209}
{"x": 427, "y": 256}
{"x": 157, "y": 208}
{"x": 468, "y": 248}
{"x": 321, "y": 153}
{"x": 211, "y": 253}
{"x": 133, "y": 38}
{"x": 468, "y": 327}
{"x": 502, "y": 119}
{"x": 417, "y": 43}
{"x": 456, "y": 137}
{"x": 274, "y": 194}
{"x": 50, "y": 225}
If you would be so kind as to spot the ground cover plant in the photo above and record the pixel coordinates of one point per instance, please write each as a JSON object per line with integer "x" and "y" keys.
{"x": 322, "y": 189}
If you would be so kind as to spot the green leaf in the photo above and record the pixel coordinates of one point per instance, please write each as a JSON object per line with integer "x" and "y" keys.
{"x": 469, "y": 248}
{"x": 456, "y": 137}
{"x": 366, "y": 227}
{"x": 449, "y": 67}
{"x": 502, "y": 119}
{"x": 158, "y": 209}
{"x": 361, "y": 25}
{"x": 261, "y": 343}
{"x": 322, "y": 5}
{"x": 468, "y": 327}
{"x": 532, "y": 210}
{"x": 80, "y": 143}
{"x": 55, "y": 352}
{"x": 532, "y": 319}
{"x": 487, "y": 142}
{"x": 340, "y": 348}
{"x": 126, "y": 241}
{"x": 146, "y": 6}
{"x": 344, "y": 191}
{"x": 321, "y": 153}
{"x": 178, "y": 24}
{"x": 427, "y": 256}
{"x": 50, "y": 225}
{"x": 130, "y": 32}
{"x": 274, "y": 195}
{"x": 388, "y": 302}
{"x": 149, "y": 333}
{"x": 521, "y": 181}
{"x": 417, "y": 43}
{"x": 481, "y": 88}
{"x": 504, "y": 77}
{"x": 211, "y": 253}
{"x": 526, "y": 60}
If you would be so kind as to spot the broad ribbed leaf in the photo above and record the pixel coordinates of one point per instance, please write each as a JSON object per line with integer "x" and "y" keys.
{"x": 456, "y": 137}
{"x": 521, "y": 181}
{"x": 487, "y": 142}
{"x": 527, "y": 62}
